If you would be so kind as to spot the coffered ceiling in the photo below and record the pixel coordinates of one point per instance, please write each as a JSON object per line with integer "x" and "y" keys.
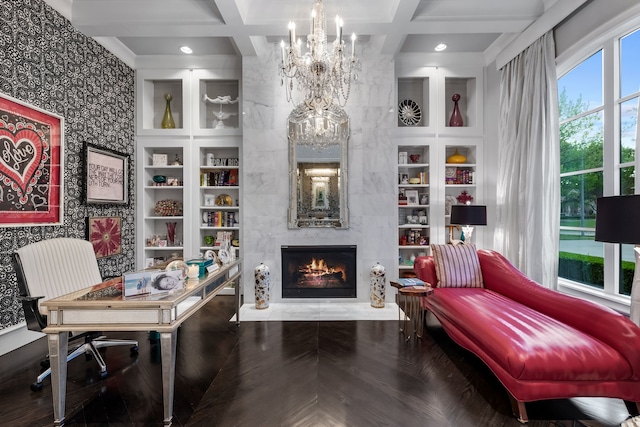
{"x": 244, "y": 27}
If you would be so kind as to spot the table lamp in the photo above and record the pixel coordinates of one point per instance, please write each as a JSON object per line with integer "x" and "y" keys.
{"x": 467, "y": 216}
{"x": 617, "y": 222}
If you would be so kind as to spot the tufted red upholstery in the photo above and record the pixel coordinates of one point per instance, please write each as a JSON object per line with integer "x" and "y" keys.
{"x": 541, "y": 344}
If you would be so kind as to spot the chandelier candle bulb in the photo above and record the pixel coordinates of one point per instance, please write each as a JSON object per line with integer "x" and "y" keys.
{"x": 353, "y": 45}
{"x": 282, "y": 48}
{"x": 292, "y": 34}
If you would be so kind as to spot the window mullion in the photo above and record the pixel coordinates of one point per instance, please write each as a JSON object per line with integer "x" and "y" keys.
{"x": 611, "y": 152}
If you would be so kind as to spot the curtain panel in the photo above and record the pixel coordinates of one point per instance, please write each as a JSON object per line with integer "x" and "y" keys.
{"x": 528, "y": 184}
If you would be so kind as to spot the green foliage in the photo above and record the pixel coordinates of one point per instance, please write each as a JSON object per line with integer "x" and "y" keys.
{"x": 582, "y": 268}
{"x": 590, "y": 270}
{"x": 581, "y": 148}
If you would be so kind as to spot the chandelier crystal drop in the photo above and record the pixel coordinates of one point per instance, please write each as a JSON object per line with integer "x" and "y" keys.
{"x": 324, "y": 75}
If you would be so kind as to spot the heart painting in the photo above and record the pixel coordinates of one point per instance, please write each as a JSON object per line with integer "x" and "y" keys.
{"x": 31, "y": 175}
{"x": 21, "y": 154}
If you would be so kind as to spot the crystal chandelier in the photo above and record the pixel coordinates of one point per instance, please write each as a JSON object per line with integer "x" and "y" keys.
{"x": 324, "y": 75}
{"x": 319, "y": 126}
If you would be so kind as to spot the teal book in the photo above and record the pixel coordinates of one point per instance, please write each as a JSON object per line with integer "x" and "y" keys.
{"x": 411, "y": 281}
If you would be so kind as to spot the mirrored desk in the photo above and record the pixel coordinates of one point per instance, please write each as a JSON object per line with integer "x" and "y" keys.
{"x": 105, "y": 309}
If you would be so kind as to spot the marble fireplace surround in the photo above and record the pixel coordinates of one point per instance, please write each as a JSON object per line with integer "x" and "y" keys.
{"x": 372, "y": 180}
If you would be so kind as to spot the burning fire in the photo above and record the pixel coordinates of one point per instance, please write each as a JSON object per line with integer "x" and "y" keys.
{"x": 319, "y": 268}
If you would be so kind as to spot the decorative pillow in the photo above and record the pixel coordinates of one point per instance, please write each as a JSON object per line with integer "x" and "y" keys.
{"x": 457, "y": 266}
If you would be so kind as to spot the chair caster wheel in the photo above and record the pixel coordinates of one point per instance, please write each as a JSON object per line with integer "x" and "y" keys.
{"x": 36, "y": 386}
{"x": 103, "y": 375}
{"x": 134, "y": 350}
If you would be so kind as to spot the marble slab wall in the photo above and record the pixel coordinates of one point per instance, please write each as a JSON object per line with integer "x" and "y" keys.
{"x": 371, "y": 181}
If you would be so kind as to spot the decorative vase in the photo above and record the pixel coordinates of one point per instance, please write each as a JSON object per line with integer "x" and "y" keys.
{"x": 457, "y": 158}
{"x": 456, "y": 117}
{"x": 378, "y": 283}
{"x": 263, "y": 293}
{"x": 171, "y": 233}
{"x": 167, "y": 119}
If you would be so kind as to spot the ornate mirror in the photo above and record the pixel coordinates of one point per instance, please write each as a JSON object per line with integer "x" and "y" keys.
{"x": 318, "y": 136}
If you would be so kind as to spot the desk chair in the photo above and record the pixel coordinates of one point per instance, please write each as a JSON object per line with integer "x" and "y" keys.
{"x": 52, "y": 268}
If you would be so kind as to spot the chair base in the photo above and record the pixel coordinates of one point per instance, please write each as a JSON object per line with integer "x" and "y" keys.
{"x": 89, "y": 348}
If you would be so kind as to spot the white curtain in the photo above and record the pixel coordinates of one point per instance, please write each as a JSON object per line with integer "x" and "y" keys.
{"x": 528, "y": 185}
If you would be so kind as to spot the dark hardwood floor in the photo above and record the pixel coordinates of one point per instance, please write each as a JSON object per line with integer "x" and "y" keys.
{"x": 355, "y": 373}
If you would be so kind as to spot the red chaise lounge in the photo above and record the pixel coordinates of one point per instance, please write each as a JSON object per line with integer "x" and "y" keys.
{"x": 540, "y": 344}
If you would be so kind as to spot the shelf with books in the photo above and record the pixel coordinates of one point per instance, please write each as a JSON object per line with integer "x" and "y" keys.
{"x": 413, "y": 204}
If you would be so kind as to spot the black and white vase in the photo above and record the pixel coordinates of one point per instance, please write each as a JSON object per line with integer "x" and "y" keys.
{"x": 263, "y": 291}
{"x": 378, "y": 284}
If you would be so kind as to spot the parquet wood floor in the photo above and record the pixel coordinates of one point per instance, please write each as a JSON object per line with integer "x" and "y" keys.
{"x": 350, "y": 373}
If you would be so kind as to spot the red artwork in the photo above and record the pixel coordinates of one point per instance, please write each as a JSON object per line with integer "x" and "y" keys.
{"x": 30, "y": 165}
{"x": 104, "y": 235}
{"x": 31, "y": 144}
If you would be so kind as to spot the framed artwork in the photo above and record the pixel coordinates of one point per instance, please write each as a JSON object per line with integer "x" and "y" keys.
{"x": 412, "y": 197}
{"x": 31, "y": 165}
{"x": 106, "y": 175}
{"x": 105, "y": 235}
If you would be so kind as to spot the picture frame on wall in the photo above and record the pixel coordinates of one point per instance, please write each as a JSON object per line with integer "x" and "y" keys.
{"x": 31, "y": 165}
{"x": 106, "y": 174}
{"x": 105, "y": 234}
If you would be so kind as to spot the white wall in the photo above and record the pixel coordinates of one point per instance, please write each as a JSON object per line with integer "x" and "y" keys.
{"x": 490, "y": 161}
{"x": 597, "y": 16}
{"x": 371, "y": 168}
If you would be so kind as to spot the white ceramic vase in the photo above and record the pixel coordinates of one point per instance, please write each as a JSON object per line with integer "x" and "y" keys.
{"x": 263, "y": 291}
{"x": 378, "y": 285}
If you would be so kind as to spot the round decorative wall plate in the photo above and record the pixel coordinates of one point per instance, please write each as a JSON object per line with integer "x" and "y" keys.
{"x": 409, "y": 112}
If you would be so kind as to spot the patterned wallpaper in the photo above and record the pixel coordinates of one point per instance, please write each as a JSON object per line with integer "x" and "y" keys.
{"x": 47, "y": 63}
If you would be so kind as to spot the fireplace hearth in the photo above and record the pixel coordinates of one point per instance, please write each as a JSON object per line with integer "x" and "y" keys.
{"x": 319, "y": 271}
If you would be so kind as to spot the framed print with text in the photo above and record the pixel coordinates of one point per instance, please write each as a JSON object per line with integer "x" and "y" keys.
{"x": 31, "y": 165}
{"x": 106, "y": 176}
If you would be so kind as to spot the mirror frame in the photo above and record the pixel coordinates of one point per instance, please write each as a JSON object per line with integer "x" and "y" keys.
{"x": 337, "y": 120}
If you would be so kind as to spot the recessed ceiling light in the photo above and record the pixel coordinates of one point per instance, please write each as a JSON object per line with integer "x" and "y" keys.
{"x": 186, "y": 49}
{"x": 440, "y": 47}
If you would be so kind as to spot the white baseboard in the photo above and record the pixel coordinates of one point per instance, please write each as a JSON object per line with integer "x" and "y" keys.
{"x": 17, "y": 336}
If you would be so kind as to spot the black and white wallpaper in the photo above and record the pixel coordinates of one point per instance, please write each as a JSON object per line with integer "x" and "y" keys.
{"x": 46, "y": 62}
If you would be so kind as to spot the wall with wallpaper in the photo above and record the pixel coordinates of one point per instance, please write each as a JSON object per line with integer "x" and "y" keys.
{"x": 47, "y": 63}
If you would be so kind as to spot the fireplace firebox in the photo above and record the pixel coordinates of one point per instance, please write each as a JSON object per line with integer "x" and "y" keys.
{"x": 319, "y": 271}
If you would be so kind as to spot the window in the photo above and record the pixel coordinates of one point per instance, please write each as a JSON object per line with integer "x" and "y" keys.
{"x": 598, "y": 142}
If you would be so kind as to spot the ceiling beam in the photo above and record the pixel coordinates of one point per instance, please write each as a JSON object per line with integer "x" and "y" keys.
{"x": 395, "y": 36}
{"x": 233, "y": 19}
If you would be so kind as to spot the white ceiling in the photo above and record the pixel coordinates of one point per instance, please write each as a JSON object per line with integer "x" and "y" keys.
{"x": 212, "y": 27}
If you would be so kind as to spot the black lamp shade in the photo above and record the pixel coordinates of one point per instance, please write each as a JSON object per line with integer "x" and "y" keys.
{"x": 468, "y": 215}
{"x": 618, "y": 219}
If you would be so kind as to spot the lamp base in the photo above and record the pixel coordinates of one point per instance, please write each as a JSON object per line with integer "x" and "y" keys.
{"x": 467, "y": 232}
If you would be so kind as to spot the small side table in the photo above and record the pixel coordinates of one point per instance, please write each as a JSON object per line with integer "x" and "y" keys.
{"x": 409, "y": 297}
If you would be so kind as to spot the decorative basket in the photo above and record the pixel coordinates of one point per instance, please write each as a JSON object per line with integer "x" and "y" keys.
{"x": 168, "y": 208}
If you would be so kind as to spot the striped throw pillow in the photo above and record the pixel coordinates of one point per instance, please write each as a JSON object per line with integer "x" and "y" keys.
{"x": 457, "y": 266}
